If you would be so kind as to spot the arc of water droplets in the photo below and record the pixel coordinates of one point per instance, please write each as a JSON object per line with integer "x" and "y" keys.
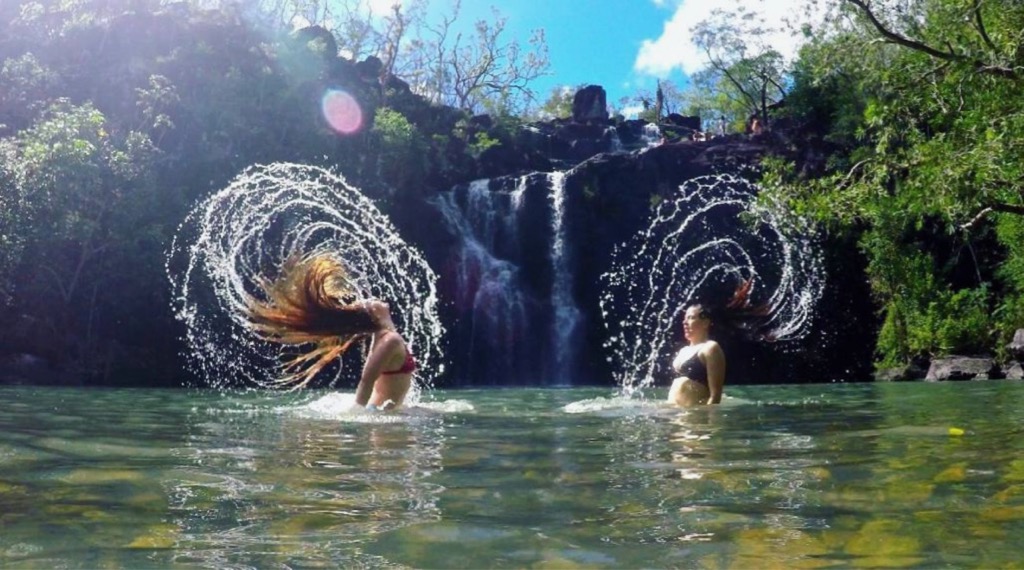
{"x": 246, "y": 231}
{"x": 711, "y": 234}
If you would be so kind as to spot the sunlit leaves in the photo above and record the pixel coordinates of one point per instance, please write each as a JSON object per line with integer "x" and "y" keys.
{"x": 937, "y": 144}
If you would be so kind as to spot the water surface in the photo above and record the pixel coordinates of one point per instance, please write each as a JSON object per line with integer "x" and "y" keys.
{"x": 804, "y": 476}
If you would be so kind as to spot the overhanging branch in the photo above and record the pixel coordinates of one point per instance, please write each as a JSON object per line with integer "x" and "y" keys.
{"x": 1001, "y": 208}
{"x": 980, "y": 66}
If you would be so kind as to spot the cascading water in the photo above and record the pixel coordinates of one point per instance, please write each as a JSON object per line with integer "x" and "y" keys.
{"x": 651, "y": 136}
{"x": 710, "y": 235}
{"x": 245, "y": 232}
{"x": 614, "y": 141}
{"x": 488, "y": 290}
{"x": 566, "y": 313}
{"x": 511, "y": 289}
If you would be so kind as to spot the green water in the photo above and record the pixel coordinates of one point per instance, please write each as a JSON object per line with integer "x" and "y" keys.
{"x": 779, "y": 477}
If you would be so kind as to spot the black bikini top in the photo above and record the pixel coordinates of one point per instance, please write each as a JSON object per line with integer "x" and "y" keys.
{"x": 694, "y": 369}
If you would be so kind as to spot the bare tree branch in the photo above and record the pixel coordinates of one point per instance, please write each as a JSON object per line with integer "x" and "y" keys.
{"x": 1001, "y": 208}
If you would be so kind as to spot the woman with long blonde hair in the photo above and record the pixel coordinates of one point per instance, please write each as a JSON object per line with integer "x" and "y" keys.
{"x": 313, "y": 302}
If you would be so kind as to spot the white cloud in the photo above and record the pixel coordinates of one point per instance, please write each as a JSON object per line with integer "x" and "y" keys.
{"x": 674, "y": 48}
{"x": 631, "y": 111}
{"x": 381, "y": 7}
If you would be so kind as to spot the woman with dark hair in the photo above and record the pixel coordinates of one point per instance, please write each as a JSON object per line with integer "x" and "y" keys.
{"x": 701, "y": 363}
{"x": 313, "y": 302}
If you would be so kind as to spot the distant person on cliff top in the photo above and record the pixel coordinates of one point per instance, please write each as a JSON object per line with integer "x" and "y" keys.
{"x": 701, "y": 364}
{"x": 314, "y": 303}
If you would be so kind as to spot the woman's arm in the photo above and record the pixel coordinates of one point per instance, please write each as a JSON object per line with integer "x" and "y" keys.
{"x": 714, "y": 360}
{"x": 379, "y": 356}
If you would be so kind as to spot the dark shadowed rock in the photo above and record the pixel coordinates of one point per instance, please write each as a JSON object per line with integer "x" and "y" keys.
{"x": 483, "y": 121}
{"x": 318, "y": 40}
{"x": 370, "y": 67}
{"x": 590, "y": 105}
{"x": 29, "y": 369}
{"x": 916, "y": 370}
{"x": 963, "y": 368}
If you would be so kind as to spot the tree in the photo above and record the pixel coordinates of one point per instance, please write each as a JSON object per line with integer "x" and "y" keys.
{"x": 931, "y": 148}
{"x": 12, "y": 221}
{"x": 467, "y": 70}
{"x": 559, "y": 103}
{"x": 479, "y": 70}
{"x": 83, "y": 197}
{"x": 743, "y": 66}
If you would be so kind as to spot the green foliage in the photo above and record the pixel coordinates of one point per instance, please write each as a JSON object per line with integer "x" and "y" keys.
{"x": 12, "y": 221}
{"x": 1010, "y": 312}
{"x": 401, "y": 147}
{"x": 744, "y": 75}
{"x": 156, "y": 102}
{"x": 921, "y": 316}
{"x": 954, "y": 322}
{"x": 558, "y": 104}
{"x": 28, "y": 87}
{"x": 481, "y": 142}
{"x": 923, "y": 132}
{"x": 85, "y": 202}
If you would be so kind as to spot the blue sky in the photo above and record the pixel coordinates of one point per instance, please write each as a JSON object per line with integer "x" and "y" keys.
{"x": 594, "y": 41}
{"x": 622, "y": 45}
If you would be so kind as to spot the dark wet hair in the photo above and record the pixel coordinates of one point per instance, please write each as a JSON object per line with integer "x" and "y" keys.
{"x": 737, "y": 314}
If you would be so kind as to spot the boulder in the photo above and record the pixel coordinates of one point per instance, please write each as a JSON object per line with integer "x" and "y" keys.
{"x": 962, "y": 368}
{"x": 590, "y": 104}
{"x": 1014, "y": 371}
{"x": 916, "y": 370}
{"x": 370, "y": 68}
{"x": 1016, "y": 346}
{"x": 318, "y": 40}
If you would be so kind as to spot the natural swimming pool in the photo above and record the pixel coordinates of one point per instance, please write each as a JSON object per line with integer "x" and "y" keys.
{"x": 808, "y": 476}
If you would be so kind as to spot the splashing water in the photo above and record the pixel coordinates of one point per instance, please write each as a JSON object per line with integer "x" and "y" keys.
{"x": 245, "y": 232}
{"x": 709, "y": 236}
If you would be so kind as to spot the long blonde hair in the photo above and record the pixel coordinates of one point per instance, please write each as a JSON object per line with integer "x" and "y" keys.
{"x": 313, "y": 301}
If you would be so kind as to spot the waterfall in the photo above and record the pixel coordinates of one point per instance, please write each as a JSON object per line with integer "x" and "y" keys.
{"x": 566, "y": 313}
{"x": 651, "y": 136}
{"x": 614, "y": 141}
{"x": 488, "y": 292}
{"x": 510, "y": 280}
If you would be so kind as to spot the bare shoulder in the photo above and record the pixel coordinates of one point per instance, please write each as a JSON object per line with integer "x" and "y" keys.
{"x": 391, "y": 341}
{"x": 711, "y": 348}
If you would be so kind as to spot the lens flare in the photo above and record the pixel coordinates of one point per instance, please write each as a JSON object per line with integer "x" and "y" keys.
{"x": 342, "y": 111}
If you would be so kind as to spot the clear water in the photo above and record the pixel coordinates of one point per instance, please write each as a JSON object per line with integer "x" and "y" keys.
{"x": 778, "y": 477}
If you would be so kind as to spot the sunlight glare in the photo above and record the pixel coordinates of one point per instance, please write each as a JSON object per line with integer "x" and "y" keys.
{"x": 342, "y": 111}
